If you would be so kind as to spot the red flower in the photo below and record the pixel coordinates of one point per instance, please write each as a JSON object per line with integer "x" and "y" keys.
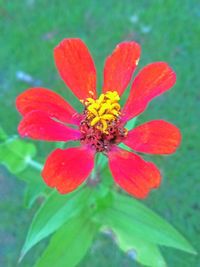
{"x": 101, "y": 126}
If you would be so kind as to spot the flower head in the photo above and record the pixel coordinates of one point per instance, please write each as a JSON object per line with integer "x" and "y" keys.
{"x": 101, "y": 127}
{"x": 102, "y": 124}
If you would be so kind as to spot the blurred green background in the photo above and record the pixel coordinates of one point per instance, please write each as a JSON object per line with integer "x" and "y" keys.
{"x": 168, "y": 30}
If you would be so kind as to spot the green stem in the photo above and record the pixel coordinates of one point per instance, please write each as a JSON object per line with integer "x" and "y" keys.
{"x": 36, "y": 165}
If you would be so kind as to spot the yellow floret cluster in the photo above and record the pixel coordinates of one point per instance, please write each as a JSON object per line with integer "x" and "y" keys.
{"x": 103, "y": 110}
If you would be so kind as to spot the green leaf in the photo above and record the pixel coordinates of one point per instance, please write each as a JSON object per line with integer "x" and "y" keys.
{"x": 35, "y": 185}
{"x": 32, "y": 192}
{"x": 69, "y": 244}
{"x": 3, "y": 135}
{"x": 140, "y": 250}
{"x": 54, "y": 212}
{"x": 31, "y": 175}
{"x": 14, "y": 154}
{"x": 144, "y": 223}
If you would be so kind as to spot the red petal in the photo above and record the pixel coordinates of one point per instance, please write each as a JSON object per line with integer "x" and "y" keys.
{"x": 132, "y": 173}
{"x": 46, "y": 100}
{"x": 154, "y": 137}
{"x": 76, "y": 67}
{"x": 119, "y": 67}
{"x": 38, "y": 125}
{"x": 67, "y": 169}
{"x": 152, "y": 81}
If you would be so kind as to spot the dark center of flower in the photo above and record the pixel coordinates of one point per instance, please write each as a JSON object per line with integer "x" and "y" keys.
{"x": 101, "y": 127}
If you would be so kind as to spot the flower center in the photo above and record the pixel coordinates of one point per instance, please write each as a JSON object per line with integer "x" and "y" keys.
{"x": 101, "y": 126}
{"x": 102, "y": 111}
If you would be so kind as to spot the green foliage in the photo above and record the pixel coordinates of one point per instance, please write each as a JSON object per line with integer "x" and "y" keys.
{"x": 35, "y": 185}
{"x": 3, "y": 135}
{"x": 136, "y": 228}
{"x": 70, "y": 243}
{"x": 55, "y": 211}
{"x": 144, "y": 252}
{"x": 139, "y": 229}
{"x": 15, "y": 153}
{"x": 32, "y": 192}
{"x": 146, "y": 224}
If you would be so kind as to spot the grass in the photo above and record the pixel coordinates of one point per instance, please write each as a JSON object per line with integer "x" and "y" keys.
{"x": 168, "y": 31}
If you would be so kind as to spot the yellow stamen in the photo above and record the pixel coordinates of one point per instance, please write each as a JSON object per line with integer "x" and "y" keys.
{"x": 108, "y": 117}
{"x": 90, "y": 100}
{"x": 95, "y": 120}
{"x": 102, "y": 110}
{"x": 93, "y": 110}
{"x": 115, "y": 106}
{"x": 104, "y": 124}
{"x": 113, "y": 96}
{"x": 100, "y": 99}
{"x": 114, "y": 112}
